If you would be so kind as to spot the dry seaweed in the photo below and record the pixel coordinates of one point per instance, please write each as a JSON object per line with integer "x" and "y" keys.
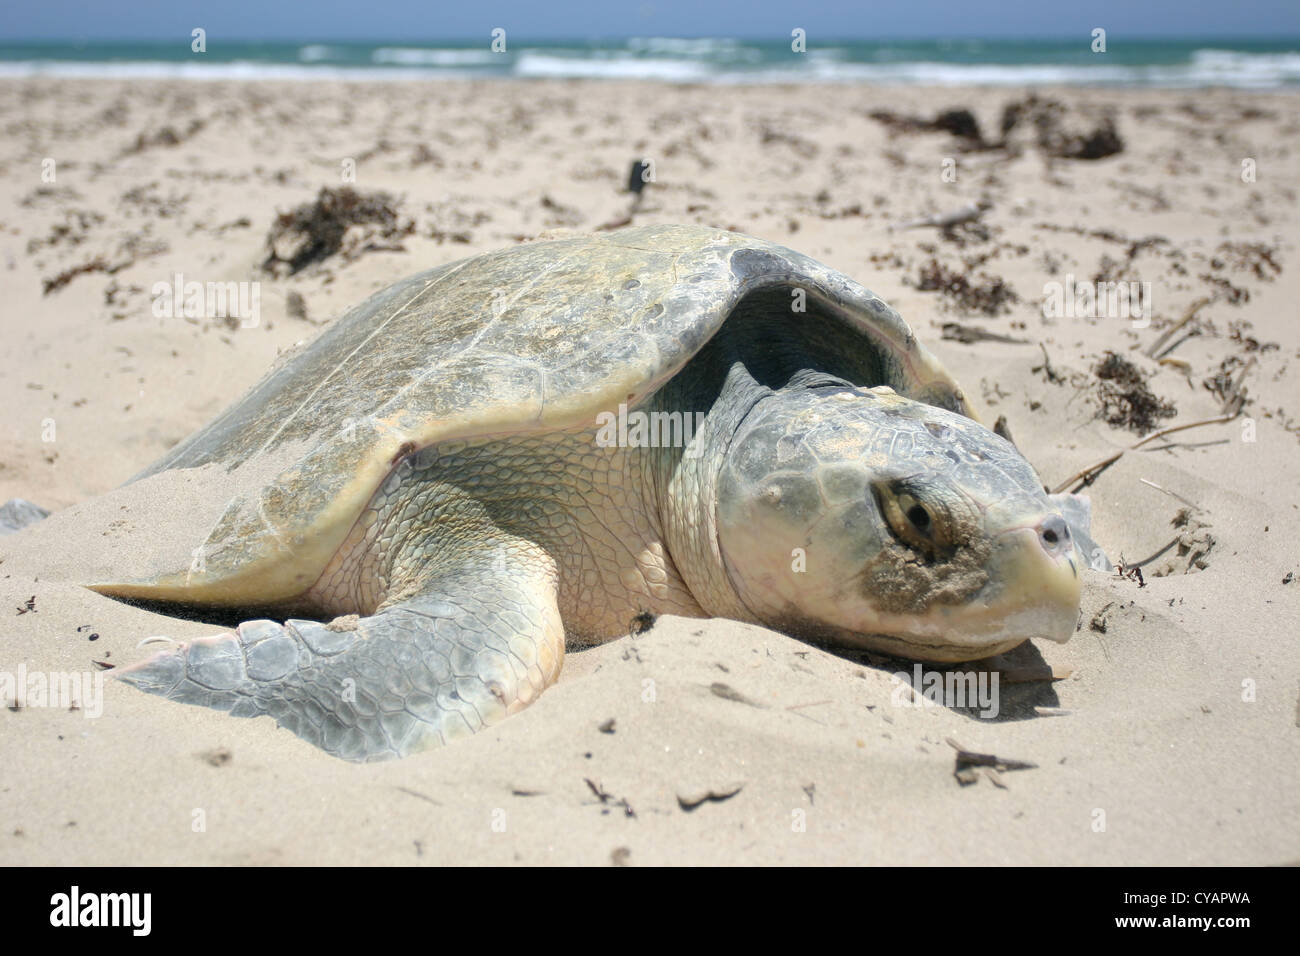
{"x": 338, "y": 221}
{"x": 1253, "y": 257}
{"x": 1125, "y": 398}
{"x": 1228, "y": 383}
{"x": 989, "y": 295}
{"x": 960, "y": 122}
{"x": 1046, "y": 117}
{"x": 165, "y": 136}
{"x": 53, "y": 284}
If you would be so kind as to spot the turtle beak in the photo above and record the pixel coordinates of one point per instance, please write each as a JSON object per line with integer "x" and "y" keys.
{"x": 1035, "y": 579}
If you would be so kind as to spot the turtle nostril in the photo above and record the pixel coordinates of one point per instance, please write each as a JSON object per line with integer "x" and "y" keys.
{"x": 1054, "y": 535}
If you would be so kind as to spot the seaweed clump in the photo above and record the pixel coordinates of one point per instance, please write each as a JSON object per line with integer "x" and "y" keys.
{"x": 1126, "y": 399}
{"x": 988, "y": 295}
{"x": 1052, "y": 135}
{"x": 338, "y": 221}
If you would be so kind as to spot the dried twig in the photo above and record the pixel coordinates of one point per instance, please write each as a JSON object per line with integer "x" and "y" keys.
{"x": 1170, "y": 332}
{"x": 1026, "y": 675}
{"x": 968, "y": 760}
{"x": 1087, "y": 475}
{"x": 1051, "y": 374}
{"x": 948, "y": 220}
{"x": 1235, "y": 397}
{"x": 690, "y": 801}
{"x": 1172, "y": 494}
{"x": 970, "y": 334}
{"x": 1052, "y": 712}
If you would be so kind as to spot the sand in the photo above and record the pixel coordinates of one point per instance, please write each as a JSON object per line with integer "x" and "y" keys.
{"x": 1172, "y": 734}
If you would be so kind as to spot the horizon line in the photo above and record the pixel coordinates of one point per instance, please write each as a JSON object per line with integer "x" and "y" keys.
{"x": 464, "y": 38}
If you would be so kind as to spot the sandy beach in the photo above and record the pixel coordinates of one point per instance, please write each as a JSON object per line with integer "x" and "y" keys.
{"x": 1167, "y": 731}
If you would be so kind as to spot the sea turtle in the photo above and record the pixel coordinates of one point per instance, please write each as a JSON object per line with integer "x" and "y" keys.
{"x": 541, "y": 444}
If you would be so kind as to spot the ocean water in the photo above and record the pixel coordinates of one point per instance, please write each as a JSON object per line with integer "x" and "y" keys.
{"x": 1243, "y": 64}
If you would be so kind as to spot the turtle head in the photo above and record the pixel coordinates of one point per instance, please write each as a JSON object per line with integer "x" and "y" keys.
{"x": 864, "y": 518}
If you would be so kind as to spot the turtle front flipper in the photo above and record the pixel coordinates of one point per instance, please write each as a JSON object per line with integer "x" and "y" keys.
{"x": 441, "y": 664}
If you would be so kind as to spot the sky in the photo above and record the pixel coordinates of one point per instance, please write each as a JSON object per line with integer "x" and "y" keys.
{"x": 422, "y": 20}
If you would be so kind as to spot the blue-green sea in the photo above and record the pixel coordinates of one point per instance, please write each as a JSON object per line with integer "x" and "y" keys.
{"x": 1247, "y": 64}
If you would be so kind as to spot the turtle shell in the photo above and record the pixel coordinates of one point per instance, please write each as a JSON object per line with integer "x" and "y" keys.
{"x": 539, "y": 337}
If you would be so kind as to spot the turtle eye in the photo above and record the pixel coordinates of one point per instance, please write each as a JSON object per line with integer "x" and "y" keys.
{"x": 911, "y": 521}
{"x": 919, "y": 517}
{"x": 917, "y": 527}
